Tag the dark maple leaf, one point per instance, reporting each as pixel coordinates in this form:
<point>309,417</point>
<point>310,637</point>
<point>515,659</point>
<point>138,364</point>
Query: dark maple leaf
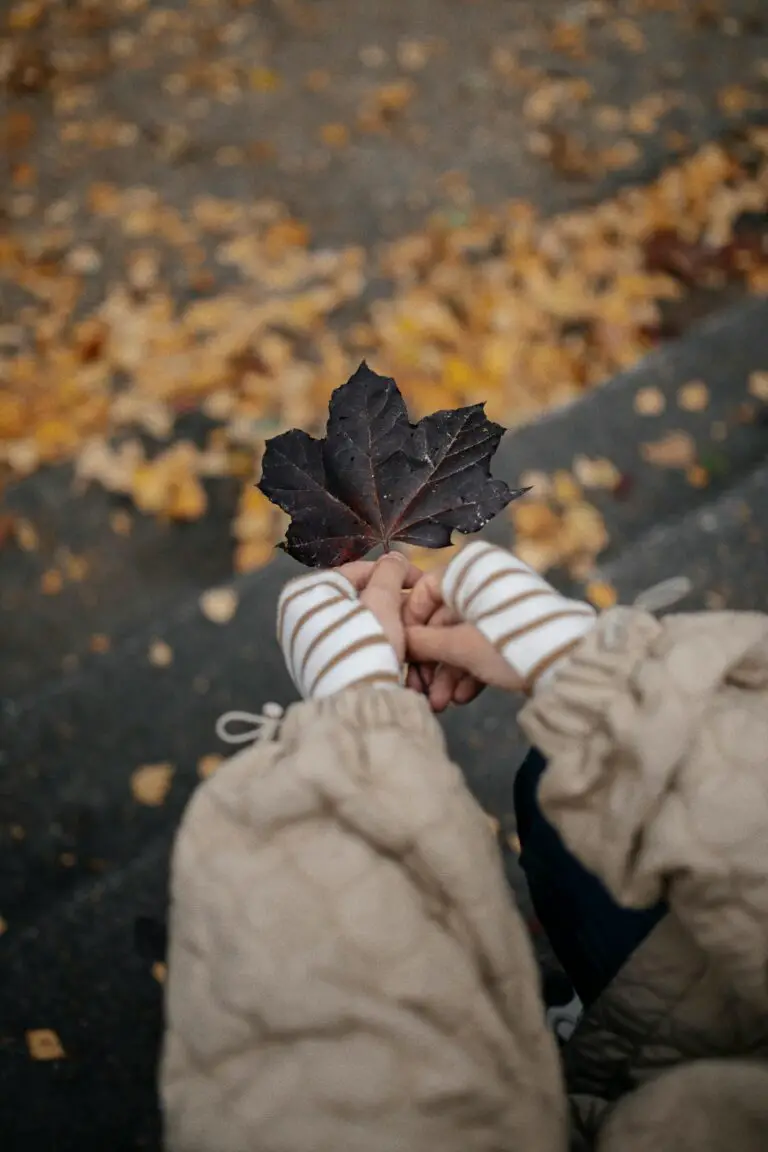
<point>376,478</point>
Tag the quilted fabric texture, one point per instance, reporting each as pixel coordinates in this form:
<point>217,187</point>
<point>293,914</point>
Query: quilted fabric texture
<point>702,1107</point>
<point>657,740</point>
<point>346,969</point>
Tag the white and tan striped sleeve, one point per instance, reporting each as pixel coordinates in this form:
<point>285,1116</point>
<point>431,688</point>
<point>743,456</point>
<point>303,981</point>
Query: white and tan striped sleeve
<point>525,618</point>
<point>330,640</point>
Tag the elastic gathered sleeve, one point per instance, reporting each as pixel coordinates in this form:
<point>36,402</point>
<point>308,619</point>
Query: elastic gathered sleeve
<point>346,968</point>
<point>656,735</point>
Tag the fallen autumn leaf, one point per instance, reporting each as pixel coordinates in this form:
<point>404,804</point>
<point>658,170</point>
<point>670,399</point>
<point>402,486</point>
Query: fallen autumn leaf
<point>151,783</point>
<point>376,478</point>
<point>219,605</point>
<point>44,1044</point>
<point>675,450</point>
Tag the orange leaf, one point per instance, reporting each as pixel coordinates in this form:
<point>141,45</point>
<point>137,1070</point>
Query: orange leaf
<point>151,783</point>
<point>675,450</point>
<point>44,1044</point>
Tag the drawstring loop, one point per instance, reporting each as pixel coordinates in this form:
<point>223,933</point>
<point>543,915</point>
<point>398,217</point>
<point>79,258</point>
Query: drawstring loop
<point>652,600</point>
<point>264,725</point>
<point>664,595</point>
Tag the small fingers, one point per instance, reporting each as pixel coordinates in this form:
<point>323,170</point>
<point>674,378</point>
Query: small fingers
<point>449,645</point>
<point>443,686</point>
<point>388,578</point>
<point>467,689</point>
<point>360,572</point>
<point>422,674</point>
<point>443,616</point>
<point>424,600</point>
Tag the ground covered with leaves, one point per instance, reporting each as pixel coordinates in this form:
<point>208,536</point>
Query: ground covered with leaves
<point>218,209</point>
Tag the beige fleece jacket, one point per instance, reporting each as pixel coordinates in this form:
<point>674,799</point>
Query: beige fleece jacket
<point>348,971</point>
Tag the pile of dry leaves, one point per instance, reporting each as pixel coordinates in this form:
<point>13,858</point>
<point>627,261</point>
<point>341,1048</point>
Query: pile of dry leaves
<point>505,307</point>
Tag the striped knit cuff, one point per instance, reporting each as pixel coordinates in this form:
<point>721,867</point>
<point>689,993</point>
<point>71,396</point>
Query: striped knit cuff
<point>329,640</point>
<point>526,620</point>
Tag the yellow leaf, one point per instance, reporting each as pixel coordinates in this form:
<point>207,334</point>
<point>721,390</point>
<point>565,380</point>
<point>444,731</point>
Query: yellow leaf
<point>44,1044</point>
<point>583,531</point>
<point>675,450</point>
<point>541,555</point>
<point>429,559</point>
<point>757,278</point>
<point>207,765</point>
<point>735,99</point>
<point>317,80</point>
<point>255,515</point>
<point>77,567</point>
<point>697,476</point>
<point>26,15</point>
<point>601,594</point>
<point>538,481</point>
<point>629,34</point>
<point>13,421</point>
<point>251,555</point>
<point>458,374</point>
<point>149,488</point>
<point>219,605</point>
<point>758,385</point>
<point>598,473</point>
<point>396,96</point>
<point>151,783</point>
<point>335,135</point>
<point>120,522</point>
<point>534,519</point>
<point>264,80</point>
<point>649,402</point>
<point>694,396</point>
<point>160,654</point>
<point>159,971</point>
<point>565,489</point>
<point>187,500</point>
<point>51,582</point>
<point>55,437</point>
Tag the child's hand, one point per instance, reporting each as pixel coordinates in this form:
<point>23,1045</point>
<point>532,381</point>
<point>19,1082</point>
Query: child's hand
<point>379,585</point>
<point>344,627</point>
<point>489,619</point>
<point>450,658</point>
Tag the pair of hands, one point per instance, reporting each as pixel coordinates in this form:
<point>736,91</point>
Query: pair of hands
<point>450,660</point>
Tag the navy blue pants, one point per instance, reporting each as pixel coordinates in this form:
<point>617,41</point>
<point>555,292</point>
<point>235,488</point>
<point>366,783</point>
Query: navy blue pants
<point>591,936</point>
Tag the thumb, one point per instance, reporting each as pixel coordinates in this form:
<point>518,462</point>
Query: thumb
<point>463,647</point>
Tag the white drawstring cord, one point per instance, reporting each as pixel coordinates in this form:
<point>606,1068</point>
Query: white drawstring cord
<point>665,594</point>
<point>562,1020</point>
<point>264,725</point>
<point>653,599</point>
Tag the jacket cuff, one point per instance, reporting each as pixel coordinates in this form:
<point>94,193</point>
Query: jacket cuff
<point>526,620</point>
<point>330,640</point>
<point>585,723</point>
<point>367,708</point>
<point>596,672</point>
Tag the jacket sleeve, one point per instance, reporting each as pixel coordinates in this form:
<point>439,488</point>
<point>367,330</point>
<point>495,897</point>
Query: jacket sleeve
<point>704,1106</point>
<point>656,734</point>
<point>346,969</point>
